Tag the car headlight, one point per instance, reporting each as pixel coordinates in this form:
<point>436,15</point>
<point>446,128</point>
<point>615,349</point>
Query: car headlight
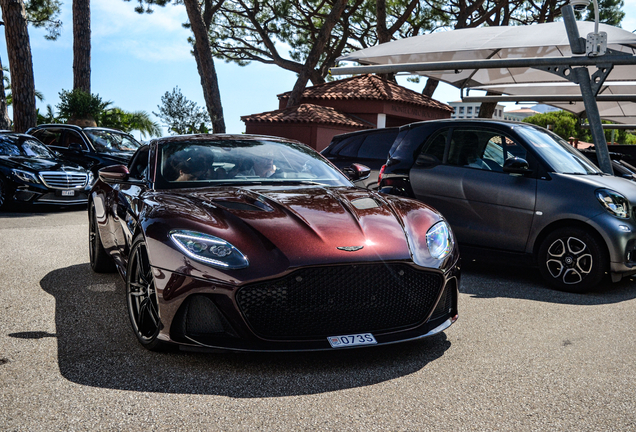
<point>90,181</point>
<point>209,249</point>
<point>439,240</point>
<point>614,202</point>
<point>25,176</point>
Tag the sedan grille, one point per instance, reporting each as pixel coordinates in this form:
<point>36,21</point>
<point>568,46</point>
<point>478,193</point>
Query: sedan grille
<point>63,180</point>
<point>339,300</point>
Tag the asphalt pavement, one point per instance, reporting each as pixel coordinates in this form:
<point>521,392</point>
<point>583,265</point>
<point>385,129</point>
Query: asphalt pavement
<point>521,357</point>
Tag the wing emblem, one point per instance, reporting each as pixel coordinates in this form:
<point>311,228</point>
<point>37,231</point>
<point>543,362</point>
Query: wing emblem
<point>350,248</point>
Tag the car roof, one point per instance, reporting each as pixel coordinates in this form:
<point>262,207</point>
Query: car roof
<point>219,137</point>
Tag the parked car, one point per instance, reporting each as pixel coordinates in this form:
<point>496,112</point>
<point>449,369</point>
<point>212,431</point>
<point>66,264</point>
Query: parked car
<point>622,164</point>
<point>255,243</point>
<point>368,147</point>
<point>90,147</point>
<point>519,189</point>
<point>31,173</point>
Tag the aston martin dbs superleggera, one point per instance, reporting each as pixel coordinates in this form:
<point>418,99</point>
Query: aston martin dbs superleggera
<point>258,243</point>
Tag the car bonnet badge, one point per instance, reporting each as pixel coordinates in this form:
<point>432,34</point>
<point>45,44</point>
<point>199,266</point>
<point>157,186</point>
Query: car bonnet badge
<point>350,248</point>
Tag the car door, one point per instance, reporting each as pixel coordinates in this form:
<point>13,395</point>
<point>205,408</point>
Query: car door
<point>127,206</point>
<point>485,206</point>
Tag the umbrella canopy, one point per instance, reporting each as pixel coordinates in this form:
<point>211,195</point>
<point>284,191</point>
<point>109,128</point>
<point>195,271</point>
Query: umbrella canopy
<point>504,42</point>
<point>619,112</point>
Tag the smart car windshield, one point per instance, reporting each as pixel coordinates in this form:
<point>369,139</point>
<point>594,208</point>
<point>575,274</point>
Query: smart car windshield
<point>561,156</point>
<point>107,140</point>
<point>28,147</point>
<point>200,163</point>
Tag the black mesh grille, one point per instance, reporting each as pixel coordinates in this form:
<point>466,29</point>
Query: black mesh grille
<point>445,304</point>
<point>330,301</point>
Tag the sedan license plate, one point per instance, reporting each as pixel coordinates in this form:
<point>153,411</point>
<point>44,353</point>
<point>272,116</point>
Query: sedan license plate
<point>68,193</point>
<point>351,340</point>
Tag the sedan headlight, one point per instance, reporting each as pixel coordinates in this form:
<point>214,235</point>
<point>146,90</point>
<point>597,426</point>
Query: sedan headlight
<point>439,240</point>
<point>614,202</point>
<point>209,249</point>
<point>25,176</point>
<point>90,181</point>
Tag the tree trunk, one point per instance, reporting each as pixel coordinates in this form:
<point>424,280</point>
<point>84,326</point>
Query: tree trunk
<point>487,109</point>
<point>5,120</point>
<point>205,66</point>
<point>82,45</point>
<point>430,87</point>
<point>20,63</point>
<point>315,53</point>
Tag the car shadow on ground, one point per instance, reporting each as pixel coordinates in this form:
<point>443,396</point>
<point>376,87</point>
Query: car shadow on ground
<point>15,211</point>
<point>96,347</point>
<point>484,279</point>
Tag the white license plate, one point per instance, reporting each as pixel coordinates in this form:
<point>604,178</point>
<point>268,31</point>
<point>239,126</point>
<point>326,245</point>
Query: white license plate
<point>351,340</point>
<point>68,193</point>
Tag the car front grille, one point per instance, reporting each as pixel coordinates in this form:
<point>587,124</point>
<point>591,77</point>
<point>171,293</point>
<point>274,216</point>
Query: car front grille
<point>339,300</point>
<point>63,180</point>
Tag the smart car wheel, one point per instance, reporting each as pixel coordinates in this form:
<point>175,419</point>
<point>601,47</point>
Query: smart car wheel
<point>571,259</point>
<point>100,261</point>
<point>141,297</point>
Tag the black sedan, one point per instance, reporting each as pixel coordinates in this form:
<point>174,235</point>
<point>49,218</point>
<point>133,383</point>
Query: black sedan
<point>31,173</point>
<point>90,147</point>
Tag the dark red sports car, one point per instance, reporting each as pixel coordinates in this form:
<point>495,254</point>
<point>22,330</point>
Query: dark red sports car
<point>258,243</point>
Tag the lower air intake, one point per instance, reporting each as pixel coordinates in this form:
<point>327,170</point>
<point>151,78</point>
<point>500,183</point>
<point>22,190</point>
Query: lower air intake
<point>338,300</point>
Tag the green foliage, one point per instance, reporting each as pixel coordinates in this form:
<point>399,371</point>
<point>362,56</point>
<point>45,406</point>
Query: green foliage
<point>45,13</point>
<point>566,125</point>
<point>116,118</point>
<point>563,123</point>
<point>78,103</point>
<point>610,12</point>
<point>182,116</point>
<point>49,117</point>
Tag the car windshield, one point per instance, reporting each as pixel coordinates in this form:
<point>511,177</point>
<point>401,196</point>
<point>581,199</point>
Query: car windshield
<point>199,163</point>
<point>558,153</point>
<point>27,147</point>
<point>107,141</point>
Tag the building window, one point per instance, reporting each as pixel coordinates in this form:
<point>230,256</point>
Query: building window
<point>461,110</point>
<point>469,110</point>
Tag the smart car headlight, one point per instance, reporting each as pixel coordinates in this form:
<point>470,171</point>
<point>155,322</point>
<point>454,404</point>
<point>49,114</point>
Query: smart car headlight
<point>209,249</point>
<point>25,176</point>
<point>439,240</point>
<point>614,202</point>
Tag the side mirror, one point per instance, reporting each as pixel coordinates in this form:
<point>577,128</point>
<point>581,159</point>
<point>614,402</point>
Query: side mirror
<point>357,171</point>
<point>114,173</point>
<point>516,165</point>
<point>426,161</point>
<point>75,148</point>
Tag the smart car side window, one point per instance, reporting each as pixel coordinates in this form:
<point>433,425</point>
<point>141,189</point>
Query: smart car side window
<point>475,148</point>
<point>436,145</point>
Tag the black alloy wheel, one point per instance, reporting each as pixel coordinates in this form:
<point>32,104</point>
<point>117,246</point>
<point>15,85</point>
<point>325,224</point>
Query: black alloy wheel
<point>141,297</point>
<point>572,259</point>
<point>100,261</point>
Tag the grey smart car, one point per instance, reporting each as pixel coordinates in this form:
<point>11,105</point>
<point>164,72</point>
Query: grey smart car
<point>518,190</point>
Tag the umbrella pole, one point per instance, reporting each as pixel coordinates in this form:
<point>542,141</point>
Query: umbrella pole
<point>589,96</point>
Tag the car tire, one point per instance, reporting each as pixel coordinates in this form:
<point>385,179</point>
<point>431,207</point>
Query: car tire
<point>141,298</point>
<point>100,261</point>
<point>572,260</point>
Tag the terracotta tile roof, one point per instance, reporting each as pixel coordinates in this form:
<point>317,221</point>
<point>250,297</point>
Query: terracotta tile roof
<point>307,113</point>
<point>369,87</point>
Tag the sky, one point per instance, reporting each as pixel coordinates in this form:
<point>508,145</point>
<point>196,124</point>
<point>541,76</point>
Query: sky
<point>136,59</point>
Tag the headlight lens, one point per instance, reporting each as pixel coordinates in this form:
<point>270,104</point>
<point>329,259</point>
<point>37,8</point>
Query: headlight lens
<point>439,240</point>
<point>209,249</point>
<point>25,176</point>
<point>91,179</point>
<point>614,202</point>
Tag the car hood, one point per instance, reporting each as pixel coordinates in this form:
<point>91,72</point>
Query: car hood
<point>38,164</point>
<point>118,157</point>
<point>621,185</point>
<point>278,228</point>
